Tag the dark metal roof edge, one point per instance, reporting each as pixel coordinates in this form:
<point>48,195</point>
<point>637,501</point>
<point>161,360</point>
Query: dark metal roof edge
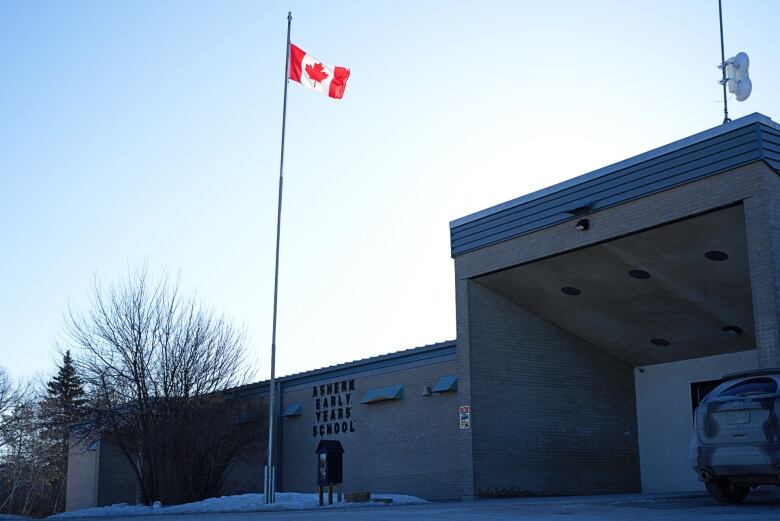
<point>744,121</point>
<point>611,205</point>
<point>460,248</point>
<point>415,353</point>
<point>630,174</point>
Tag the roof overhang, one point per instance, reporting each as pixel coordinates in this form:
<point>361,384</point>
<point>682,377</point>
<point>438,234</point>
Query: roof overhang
<point>745,140</point>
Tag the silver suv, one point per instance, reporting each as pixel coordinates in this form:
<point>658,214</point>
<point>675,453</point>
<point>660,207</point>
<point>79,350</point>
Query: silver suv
<point>736,435</point>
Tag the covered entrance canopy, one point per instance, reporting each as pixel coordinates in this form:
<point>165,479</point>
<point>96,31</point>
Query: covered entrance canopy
<point>670,293</point>
<point>581,344</point>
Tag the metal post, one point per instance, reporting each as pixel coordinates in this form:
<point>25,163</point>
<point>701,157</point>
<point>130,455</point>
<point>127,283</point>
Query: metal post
<point>270,486</point>
<point>723,65</point>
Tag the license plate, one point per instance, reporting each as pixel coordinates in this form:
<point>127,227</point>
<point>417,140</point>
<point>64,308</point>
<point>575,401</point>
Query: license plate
<point>737,417</point>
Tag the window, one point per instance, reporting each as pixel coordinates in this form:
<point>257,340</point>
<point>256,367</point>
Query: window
<point>700,390</point>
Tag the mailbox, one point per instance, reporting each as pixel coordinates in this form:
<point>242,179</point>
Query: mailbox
<point>330,463</point>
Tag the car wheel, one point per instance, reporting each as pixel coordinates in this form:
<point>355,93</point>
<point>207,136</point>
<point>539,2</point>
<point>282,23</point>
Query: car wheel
<point>726,492</point>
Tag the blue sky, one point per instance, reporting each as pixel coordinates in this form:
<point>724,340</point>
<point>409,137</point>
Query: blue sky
<point>148,131</point>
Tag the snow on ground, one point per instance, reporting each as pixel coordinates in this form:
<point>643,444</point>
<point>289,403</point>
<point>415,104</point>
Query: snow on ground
<point>242,503</point>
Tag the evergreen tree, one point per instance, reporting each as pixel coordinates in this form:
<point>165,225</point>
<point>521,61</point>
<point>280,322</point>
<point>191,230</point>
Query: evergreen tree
<point>65,399</point>
<point>62,407</point>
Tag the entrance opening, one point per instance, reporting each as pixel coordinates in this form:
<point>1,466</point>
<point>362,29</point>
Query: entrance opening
<point>673,302</point>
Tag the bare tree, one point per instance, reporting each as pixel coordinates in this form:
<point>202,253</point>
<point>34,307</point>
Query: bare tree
<point>12,439</point>
<point>159,367</point>
<point>11,394</point>
<point>23,460</point>
<point>30,480</point>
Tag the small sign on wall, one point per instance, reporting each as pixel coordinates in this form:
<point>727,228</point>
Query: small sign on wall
<point>464,411</point>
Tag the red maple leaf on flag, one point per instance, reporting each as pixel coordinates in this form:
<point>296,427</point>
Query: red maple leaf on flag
<point>316,73</point>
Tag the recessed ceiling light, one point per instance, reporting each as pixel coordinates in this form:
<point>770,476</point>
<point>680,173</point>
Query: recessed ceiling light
<point>732,330</point>
<point>639,274</point>
<point>660,342</point>
<point>715,255</point>
<point>568,290</point>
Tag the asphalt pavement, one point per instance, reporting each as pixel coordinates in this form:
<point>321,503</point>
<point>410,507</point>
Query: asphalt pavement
<point>758,507</point>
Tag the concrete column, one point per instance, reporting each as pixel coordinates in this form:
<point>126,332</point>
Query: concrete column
<point>466,452</point>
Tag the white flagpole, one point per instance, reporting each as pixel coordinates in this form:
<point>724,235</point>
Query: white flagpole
<point>270,471</point>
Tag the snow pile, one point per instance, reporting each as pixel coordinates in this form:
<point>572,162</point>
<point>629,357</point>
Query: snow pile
<point>242,503</point>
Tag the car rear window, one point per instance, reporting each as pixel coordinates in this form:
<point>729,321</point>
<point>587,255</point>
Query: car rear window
<point>752,386</point>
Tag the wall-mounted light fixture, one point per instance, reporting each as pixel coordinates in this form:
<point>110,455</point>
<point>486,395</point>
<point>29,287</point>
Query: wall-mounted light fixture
<point>582,225</point>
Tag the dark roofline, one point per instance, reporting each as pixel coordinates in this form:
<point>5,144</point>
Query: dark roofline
<point>397,358</point>
<point>626,163</point>
<point>726,147</point>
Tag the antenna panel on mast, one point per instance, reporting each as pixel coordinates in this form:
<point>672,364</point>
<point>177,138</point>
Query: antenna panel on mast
<point>737,78</point>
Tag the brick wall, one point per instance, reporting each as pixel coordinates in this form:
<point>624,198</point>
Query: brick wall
<point>406,446</point>
<point>116,480</point>
<point>551,413</point>
<point>245,474</point>
<point>762,222</point>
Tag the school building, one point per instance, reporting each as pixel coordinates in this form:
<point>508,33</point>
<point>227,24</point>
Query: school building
<point>591,317</point>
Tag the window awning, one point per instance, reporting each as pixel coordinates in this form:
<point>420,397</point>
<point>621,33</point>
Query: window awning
<point>394,392</point>
<point>294,409</point>
<point>446,384</point>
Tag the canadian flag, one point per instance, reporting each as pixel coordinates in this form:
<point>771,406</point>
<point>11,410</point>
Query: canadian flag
<point>308,71</point>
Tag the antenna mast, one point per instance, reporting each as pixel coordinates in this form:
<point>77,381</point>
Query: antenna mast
<point>726,118</point>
